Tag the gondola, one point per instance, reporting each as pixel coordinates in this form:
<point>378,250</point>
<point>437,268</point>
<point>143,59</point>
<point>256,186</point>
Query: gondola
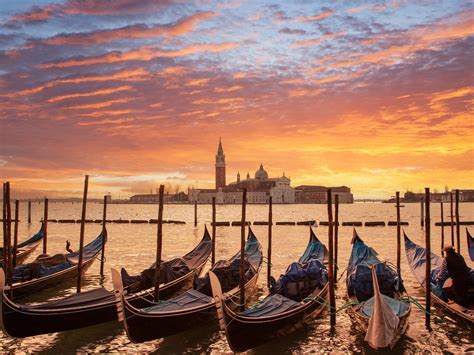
<point>192,308</point>
<point>441,295</point>
<point>470,245</point>
<point>297,295</point>
<point>48,271</point>
<point>26,248</point>
<point>90,307</point>
<point>377,297</point>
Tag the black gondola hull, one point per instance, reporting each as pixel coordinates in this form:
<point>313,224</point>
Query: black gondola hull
<point>141,328</point>
<point>244,333</point>
<point>27,288</point>
<point>20,322</point>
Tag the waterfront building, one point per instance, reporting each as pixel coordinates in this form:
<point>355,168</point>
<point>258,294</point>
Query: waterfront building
<point>318,194</point>
<point>465,195</point>
<point>154,198</point>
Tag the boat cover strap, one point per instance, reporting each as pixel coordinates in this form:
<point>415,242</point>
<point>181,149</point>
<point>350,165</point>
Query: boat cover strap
<point>188,299</point>
<point>82,299</point>
<point>400,308</point>
<point>271,305</point>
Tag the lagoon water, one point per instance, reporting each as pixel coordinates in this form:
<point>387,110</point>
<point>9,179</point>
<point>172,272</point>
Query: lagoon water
<point>133,246</point>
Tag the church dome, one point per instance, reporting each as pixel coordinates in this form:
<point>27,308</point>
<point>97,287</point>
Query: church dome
<point>261,174</point>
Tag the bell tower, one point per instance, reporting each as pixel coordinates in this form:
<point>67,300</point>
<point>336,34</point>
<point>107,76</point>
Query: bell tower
<point>220,166</point>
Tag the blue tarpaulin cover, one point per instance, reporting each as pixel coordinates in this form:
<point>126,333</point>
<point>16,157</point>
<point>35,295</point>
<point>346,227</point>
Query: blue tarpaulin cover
<point>273,304</point>
<point>398,307</point>
<point>300,280</point>
<point>314,250</point>
<point>359,280</point>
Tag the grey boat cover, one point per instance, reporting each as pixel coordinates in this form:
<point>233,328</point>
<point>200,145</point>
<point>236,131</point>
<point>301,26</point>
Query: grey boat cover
<point>186,300</point>
<point>400,308</point>
<point>271,305</point>
<point>170,270</point>
<point>86,298</point>
<point>228,271</point>
<point>300,280</point>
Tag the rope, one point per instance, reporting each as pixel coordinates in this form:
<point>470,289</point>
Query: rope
<point>265,260</point>
<point>342,274</point>
<point>237,304</point>
<point>415,302</point>
<point>324,303</point>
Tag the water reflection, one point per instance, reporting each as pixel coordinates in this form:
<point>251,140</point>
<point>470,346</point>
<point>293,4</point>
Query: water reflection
<point>133,246</point>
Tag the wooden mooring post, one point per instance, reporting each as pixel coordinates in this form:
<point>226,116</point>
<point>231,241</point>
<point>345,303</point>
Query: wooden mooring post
<point>428,263</point>
<point>242,251</point>
<point>104,221</point>
<point>332,297</point>
<point>29,212</point>
<point>269,253</point>
<point>452,218</point>
<point>45,226</point>
<point>15,233</point>
<point>336,235</point>
<point>442,228</point>
<point>81,235</point>
<point>422,217</point>
<point>159,240</point>
<point>458,229</point>
<point>7,220</point>
<point>399,238</point>
<point>213,226</point>
<point>195,213</point>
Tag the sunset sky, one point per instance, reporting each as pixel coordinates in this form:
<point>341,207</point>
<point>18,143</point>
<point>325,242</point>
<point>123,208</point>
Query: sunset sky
<point>376,96</point>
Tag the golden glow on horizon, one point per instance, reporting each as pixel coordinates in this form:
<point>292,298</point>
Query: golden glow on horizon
<point>143,100</point>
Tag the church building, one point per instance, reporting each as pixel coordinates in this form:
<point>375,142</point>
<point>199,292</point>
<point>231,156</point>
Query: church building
<point>259,188</point>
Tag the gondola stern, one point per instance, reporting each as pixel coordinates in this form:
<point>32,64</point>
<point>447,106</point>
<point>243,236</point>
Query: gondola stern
<point>118,292</point>
<point>218,298</point>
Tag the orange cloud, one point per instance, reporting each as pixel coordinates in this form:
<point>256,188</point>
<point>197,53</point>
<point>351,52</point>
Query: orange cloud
<point>178,28</point>
<point>88,94</point>
<point>105,122</point>
<point>325,14</point>
<point>125,75</point>
<point>100,104</point>
<point>142,54</point>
